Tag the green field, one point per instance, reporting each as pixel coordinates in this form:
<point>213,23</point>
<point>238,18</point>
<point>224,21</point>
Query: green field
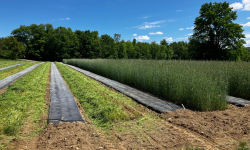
<point>201,85</point>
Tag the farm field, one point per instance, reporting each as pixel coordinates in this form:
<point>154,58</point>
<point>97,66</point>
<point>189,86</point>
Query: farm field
<point>112,120</point>
<point>200,85</point>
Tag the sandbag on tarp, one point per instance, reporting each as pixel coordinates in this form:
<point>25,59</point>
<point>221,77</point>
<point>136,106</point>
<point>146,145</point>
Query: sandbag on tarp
<point>237,101</point>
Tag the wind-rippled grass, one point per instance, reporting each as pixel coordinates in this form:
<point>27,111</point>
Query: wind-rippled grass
<point>201,85</point>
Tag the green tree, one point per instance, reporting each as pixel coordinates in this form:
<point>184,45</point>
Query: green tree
<point>164,42</point>
<point>218,37</point>
<point>117,37</point>
<point>11,47</point>
<point>122,50</point>
<point>134,42</point>
<point>131,50</point>
<point>1,45</point>
<point>107,46</point>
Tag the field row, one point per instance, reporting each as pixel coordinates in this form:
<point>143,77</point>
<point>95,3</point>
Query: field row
<point>200,85</point>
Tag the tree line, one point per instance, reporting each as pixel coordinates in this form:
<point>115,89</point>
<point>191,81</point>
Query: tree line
<point>215,37</point>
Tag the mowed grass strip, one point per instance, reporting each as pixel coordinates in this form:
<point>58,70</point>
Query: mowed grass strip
<point>23,99</point>
<point>101,105</point>
<point>14,70</point>
<point>4,63</point>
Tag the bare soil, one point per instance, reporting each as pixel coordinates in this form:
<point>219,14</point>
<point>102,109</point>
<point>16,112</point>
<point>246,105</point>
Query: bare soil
<point>224,128</point>
<point>178,130</point>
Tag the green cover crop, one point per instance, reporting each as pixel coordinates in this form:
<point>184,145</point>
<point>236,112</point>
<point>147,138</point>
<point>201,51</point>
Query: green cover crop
<point>201,85</point>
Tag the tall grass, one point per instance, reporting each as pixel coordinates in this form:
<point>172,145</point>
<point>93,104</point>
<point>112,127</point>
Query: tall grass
<point>201,85</point>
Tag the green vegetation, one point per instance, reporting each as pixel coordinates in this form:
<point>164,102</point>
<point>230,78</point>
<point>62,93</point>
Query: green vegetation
<point>10,47</point>
<point>201,85</point>
<point>14,70</point>
<point>215,35</point>
<point>101,105</point>
<point>243,146</point>
<point>6,63</point>
<point>24,99</point>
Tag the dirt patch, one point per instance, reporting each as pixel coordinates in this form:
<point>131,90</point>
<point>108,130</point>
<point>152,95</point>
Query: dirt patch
<point>224,128</point>
<point>3,90</point>
<point>70,136</point>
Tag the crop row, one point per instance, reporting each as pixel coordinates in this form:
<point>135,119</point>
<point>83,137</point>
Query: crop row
<point>23,99</point>
<point>201,85</point>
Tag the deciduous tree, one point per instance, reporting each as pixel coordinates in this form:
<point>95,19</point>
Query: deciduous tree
<point>216,34</point>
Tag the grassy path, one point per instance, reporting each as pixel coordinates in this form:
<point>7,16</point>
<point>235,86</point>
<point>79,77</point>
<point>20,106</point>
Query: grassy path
<point>8,63</point>
<point>14,70</point>
<point>24,99</point>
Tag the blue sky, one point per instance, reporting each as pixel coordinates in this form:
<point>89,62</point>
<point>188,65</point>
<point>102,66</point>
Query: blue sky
<point>145,20</point>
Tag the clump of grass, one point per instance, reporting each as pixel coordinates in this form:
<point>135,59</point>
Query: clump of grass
<point>25,95</point>
<point>98,105</point>
<point>201,85</point>
<point>243,146</point>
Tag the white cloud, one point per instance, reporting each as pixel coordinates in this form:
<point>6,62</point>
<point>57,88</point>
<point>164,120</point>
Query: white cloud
<point>246,25</point>
<point>159,32</point>
<point>248,18</point>
<point>190,34</point>
<point>181,29</point>
<point>247,43</point>
<point>134,34</point>
<point>247,4</point>
<point>181,38</point>
<point>141,38</point>
<point>178,10</point>
<point>156,22</point>
<point>148,26</point>
<point>190,28</point>
<point>169,39</point>
<point>247,35</point>
<point>64,18</point>
<point>236,6</point>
